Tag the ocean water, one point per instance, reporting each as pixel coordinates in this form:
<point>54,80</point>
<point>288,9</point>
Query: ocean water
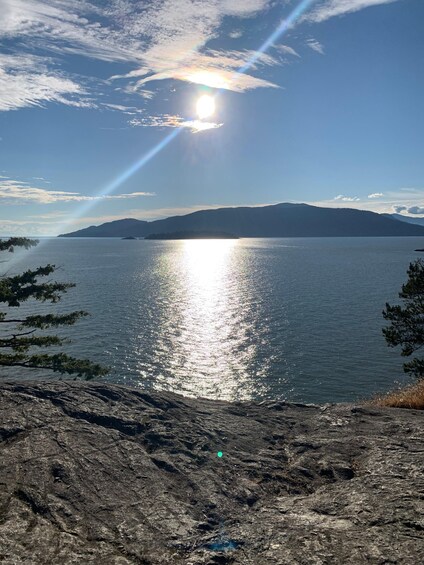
<point>296,319</point>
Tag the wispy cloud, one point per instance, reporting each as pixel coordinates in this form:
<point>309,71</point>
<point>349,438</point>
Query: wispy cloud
<point>18,192</point>
<point>331,8</point>
<point>130,110</point>
<point>344,198</point>
<point>173,121</point>
<point>177,33</point>
<point>70,26</point>
<point>213,68</point>
<point>315,46</point>
<point>375,195</point>
<point>235,34</point>
<point>286,49</point>
<point>26,81</point>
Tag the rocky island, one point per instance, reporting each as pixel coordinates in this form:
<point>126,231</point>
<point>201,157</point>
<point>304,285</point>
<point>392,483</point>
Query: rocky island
<point>95,473</point>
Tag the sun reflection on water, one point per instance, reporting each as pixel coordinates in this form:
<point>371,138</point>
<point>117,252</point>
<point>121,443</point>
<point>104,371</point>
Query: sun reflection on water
<point>207,327</point>
<point>204,340</point>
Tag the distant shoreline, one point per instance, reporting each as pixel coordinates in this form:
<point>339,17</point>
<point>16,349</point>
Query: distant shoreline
<point>277,220</point>
<point>191,235</point>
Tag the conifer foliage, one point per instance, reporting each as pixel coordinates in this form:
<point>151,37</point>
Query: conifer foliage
<point>19,335</point>
<point>407,321</point>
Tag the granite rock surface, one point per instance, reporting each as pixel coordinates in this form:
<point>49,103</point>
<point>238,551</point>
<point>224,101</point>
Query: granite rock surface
<point>92,473</point>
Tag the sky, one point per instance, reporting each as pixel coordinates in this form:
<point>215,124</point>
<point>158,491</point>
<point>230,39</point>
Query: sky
<point>316,101</point>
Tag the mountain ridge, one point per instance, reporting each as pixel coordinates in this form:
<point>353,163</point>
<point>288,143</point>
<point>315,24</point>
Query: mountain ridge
<point>276,220</point>
<point>408,219</point>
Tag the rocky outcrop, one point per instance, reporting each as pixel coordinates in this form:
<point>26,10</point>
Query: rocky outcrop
<point>93,473</point>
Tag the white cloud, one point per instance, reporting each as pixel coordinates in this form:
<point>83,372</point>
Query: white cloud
<point>287,50</point>
<point>129,110</point>
<point>330,8</point>
<point>375,195</point>
<point>315,46</point>
<point>25,81</point>
<point>64,26</point>
<point>18,192</point>
<point>399,209</point>
<point>344,198</point>
<point>213,68</point>
<point>415,210</point>
<point>170,121</point>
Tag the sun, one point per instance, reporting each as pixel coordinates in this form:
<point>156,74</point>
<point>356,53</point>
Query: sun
<point>205,107</point>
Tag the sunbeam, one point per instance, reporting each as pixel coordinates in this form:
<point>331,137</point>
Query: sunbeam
<point>125,175</point>
<point>285,25</point>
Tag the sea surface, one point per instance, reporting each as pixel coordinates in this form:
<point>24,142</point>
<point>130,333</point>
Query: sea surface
<point>297,319</point>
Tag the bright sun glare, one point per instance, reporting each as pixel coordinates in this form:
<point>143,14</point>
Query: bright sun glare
<point>205,106</point>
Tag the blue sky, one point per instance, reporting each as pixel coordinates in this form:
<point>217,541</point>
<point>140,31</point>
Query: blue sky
<point>98,117</point>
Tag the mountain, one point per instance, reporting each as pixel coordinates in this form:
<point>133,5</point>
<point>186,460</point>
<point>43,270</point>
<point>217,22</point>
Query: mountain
<point>408,219</point>
<point>117,228</point>
<point>279,220</point>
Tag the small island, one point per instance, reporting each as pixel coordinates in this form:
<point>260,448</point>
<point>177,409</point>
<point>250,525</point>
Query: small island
<point>129,237</point>
<point>192,235</point>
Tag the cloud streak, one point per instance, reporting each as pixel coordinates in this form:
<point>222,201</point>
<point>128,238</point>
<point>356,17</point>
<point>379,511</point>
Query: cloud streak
<point>287,50</point>
<point>18,192</point>
<point>315,46</point>
<point>331,8</point>
<point>174,121</point>
<point>344,198</point>
<point>25,81</point>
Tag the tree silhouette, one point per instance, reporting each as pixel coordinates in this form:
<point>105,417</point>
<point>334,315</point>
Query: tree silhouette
<point>18,335</point>
<point>407,321</point>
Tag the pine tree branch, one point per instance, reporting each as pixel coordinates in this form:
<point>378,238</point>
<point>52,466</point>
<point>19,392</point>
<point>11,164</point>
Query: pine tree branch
<point>60,363</point>
<point>25,343</point>
<point>47,320</point>
<point>12,242</point>
<point>19,288</point>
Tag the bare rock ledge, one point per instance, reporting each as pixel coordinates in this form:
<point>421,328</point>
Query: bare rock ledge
<point>92,473</point>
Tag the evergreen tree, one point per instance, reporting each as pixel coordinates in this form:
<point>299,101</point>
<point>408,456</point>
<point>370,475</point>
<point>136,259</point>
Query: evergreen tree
<point>18,335</point>
<point>407,321</point>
